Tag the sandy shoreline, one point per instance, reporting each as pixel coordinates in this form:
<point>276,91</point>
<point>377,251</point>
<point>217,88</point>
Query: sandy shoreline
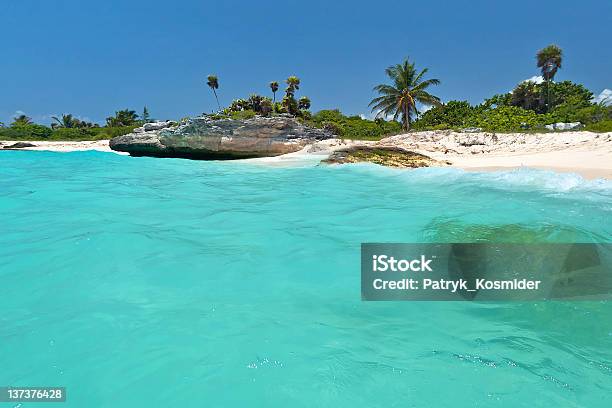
<point>63,146</point>
<point>585,153</point>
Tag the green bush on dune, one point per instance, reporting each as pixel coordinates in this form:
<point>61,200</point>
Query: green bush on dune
<point>39,132</point>
<point>603,126</point>
<point>353,127</point>
<point>23,132</point>
<point>451,115</point>
<point>507,119</point>
<point>68,127</point>
<point>510,113</point>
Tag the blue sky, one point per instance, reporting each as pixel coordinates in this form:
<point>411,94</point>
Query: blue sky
<point>91,58</point>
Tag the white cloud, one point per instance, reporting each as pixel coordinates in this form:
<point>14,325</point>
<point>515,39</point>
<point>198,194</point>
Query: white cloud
<point>605,96</point>
<point>425,108</point>
<point>18,113</point>
<point>536,79</point>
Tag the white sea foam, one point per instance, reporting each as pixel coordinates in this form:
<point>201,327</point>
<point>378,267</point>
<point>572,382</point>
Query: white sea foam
<point>523,177</point>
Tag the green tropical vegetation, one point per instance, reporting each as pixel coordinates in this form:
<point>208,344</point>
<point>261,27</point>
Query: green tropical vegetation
<point>145,117</point>
<point>123,117</point>
<point>353,127</point>
<point>264,106</point>
<point>401,105</point>
<point>68,127</point>
<point>68,121</point>
<point>530,106</point>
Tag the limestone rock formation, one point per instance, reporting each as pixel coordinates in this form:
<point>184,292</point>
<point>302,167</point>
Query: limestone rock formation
<point>19,145</point>
<point>219,139</point>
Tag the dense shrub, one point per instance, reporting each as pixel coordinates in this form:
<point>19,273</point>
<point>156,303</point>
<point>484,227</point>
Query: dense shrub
<point>450,115</point>
<point>258,104</point>
<point>353,127</point>
<point>26,132</point>
<point>245,114</point>
<point>561,92</point>
<point>39,132</point>
<point>535,97</point>
<point>507,119</point>
<point>579,111</point>
<point>602,126</point>
<point>72,134</point>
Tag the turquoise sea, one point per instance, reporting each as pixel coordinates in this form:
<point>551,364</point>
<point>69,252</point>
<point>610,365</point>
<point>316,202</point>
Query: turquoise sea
<point>140,282</point>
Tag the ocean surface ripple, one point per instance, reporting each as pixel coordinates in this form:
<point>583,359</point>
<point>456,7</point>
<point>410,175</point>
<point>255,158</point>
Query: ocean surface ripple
<point>139,282</point>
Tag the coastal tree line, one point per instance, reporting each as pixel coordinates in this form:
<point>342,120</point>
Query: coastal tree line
<point>262,105</point>
<point>405,102</point>
<point>69,127</point>
<point>528,107</point>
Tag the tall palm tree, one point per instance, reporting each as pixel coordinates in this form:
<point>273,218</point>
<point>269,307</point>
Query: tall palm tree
<point>213,83</point>
<point>549,61</point>
<point>293,84</point>
<point>289,102</point>
<point>400,98</point>
<point>274,88</point>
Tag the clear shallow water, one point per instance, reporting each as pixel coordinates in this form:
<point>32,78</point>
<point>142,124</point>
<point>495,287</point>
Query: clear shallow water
<point>149,282</point>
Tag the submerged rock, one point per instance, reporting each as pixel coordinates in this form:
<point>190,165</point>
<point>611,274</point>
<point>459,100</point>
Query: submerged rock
<point>442,230</point>
<point>19,145</point>
<point>383,155</point>
<point>220,139</point>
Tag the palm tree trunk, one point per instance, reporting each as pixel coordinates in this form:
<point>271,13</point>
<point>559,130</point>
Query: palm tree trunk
<point>406,118</point>
<point>547,96</point>
<point>274,102</point>
<point>219,105</point>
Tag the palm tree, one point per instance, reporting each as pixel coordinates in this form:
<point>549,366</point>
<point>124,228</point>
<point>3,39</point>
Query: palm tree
<point>293,84</point>
<point>22,120</point>
<point>304,103</point>
<point>289,102</point>
<point>401,97</point>
<point>123,117</point>
<point>67,121</point>
<point>274,88</point>
<point>213,83</point>
<point>549,61</point>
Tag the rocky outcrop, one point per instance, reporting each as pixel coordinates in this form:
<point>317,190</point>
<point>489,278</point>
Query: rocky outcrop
<point>19,145</point>
<point>218,139</point>
<point>385,156</point>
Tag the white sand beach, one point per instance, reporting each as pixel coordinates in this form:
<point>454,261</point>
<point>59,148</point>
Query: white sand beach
<point>585,153</point>
<point>63,146</point>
